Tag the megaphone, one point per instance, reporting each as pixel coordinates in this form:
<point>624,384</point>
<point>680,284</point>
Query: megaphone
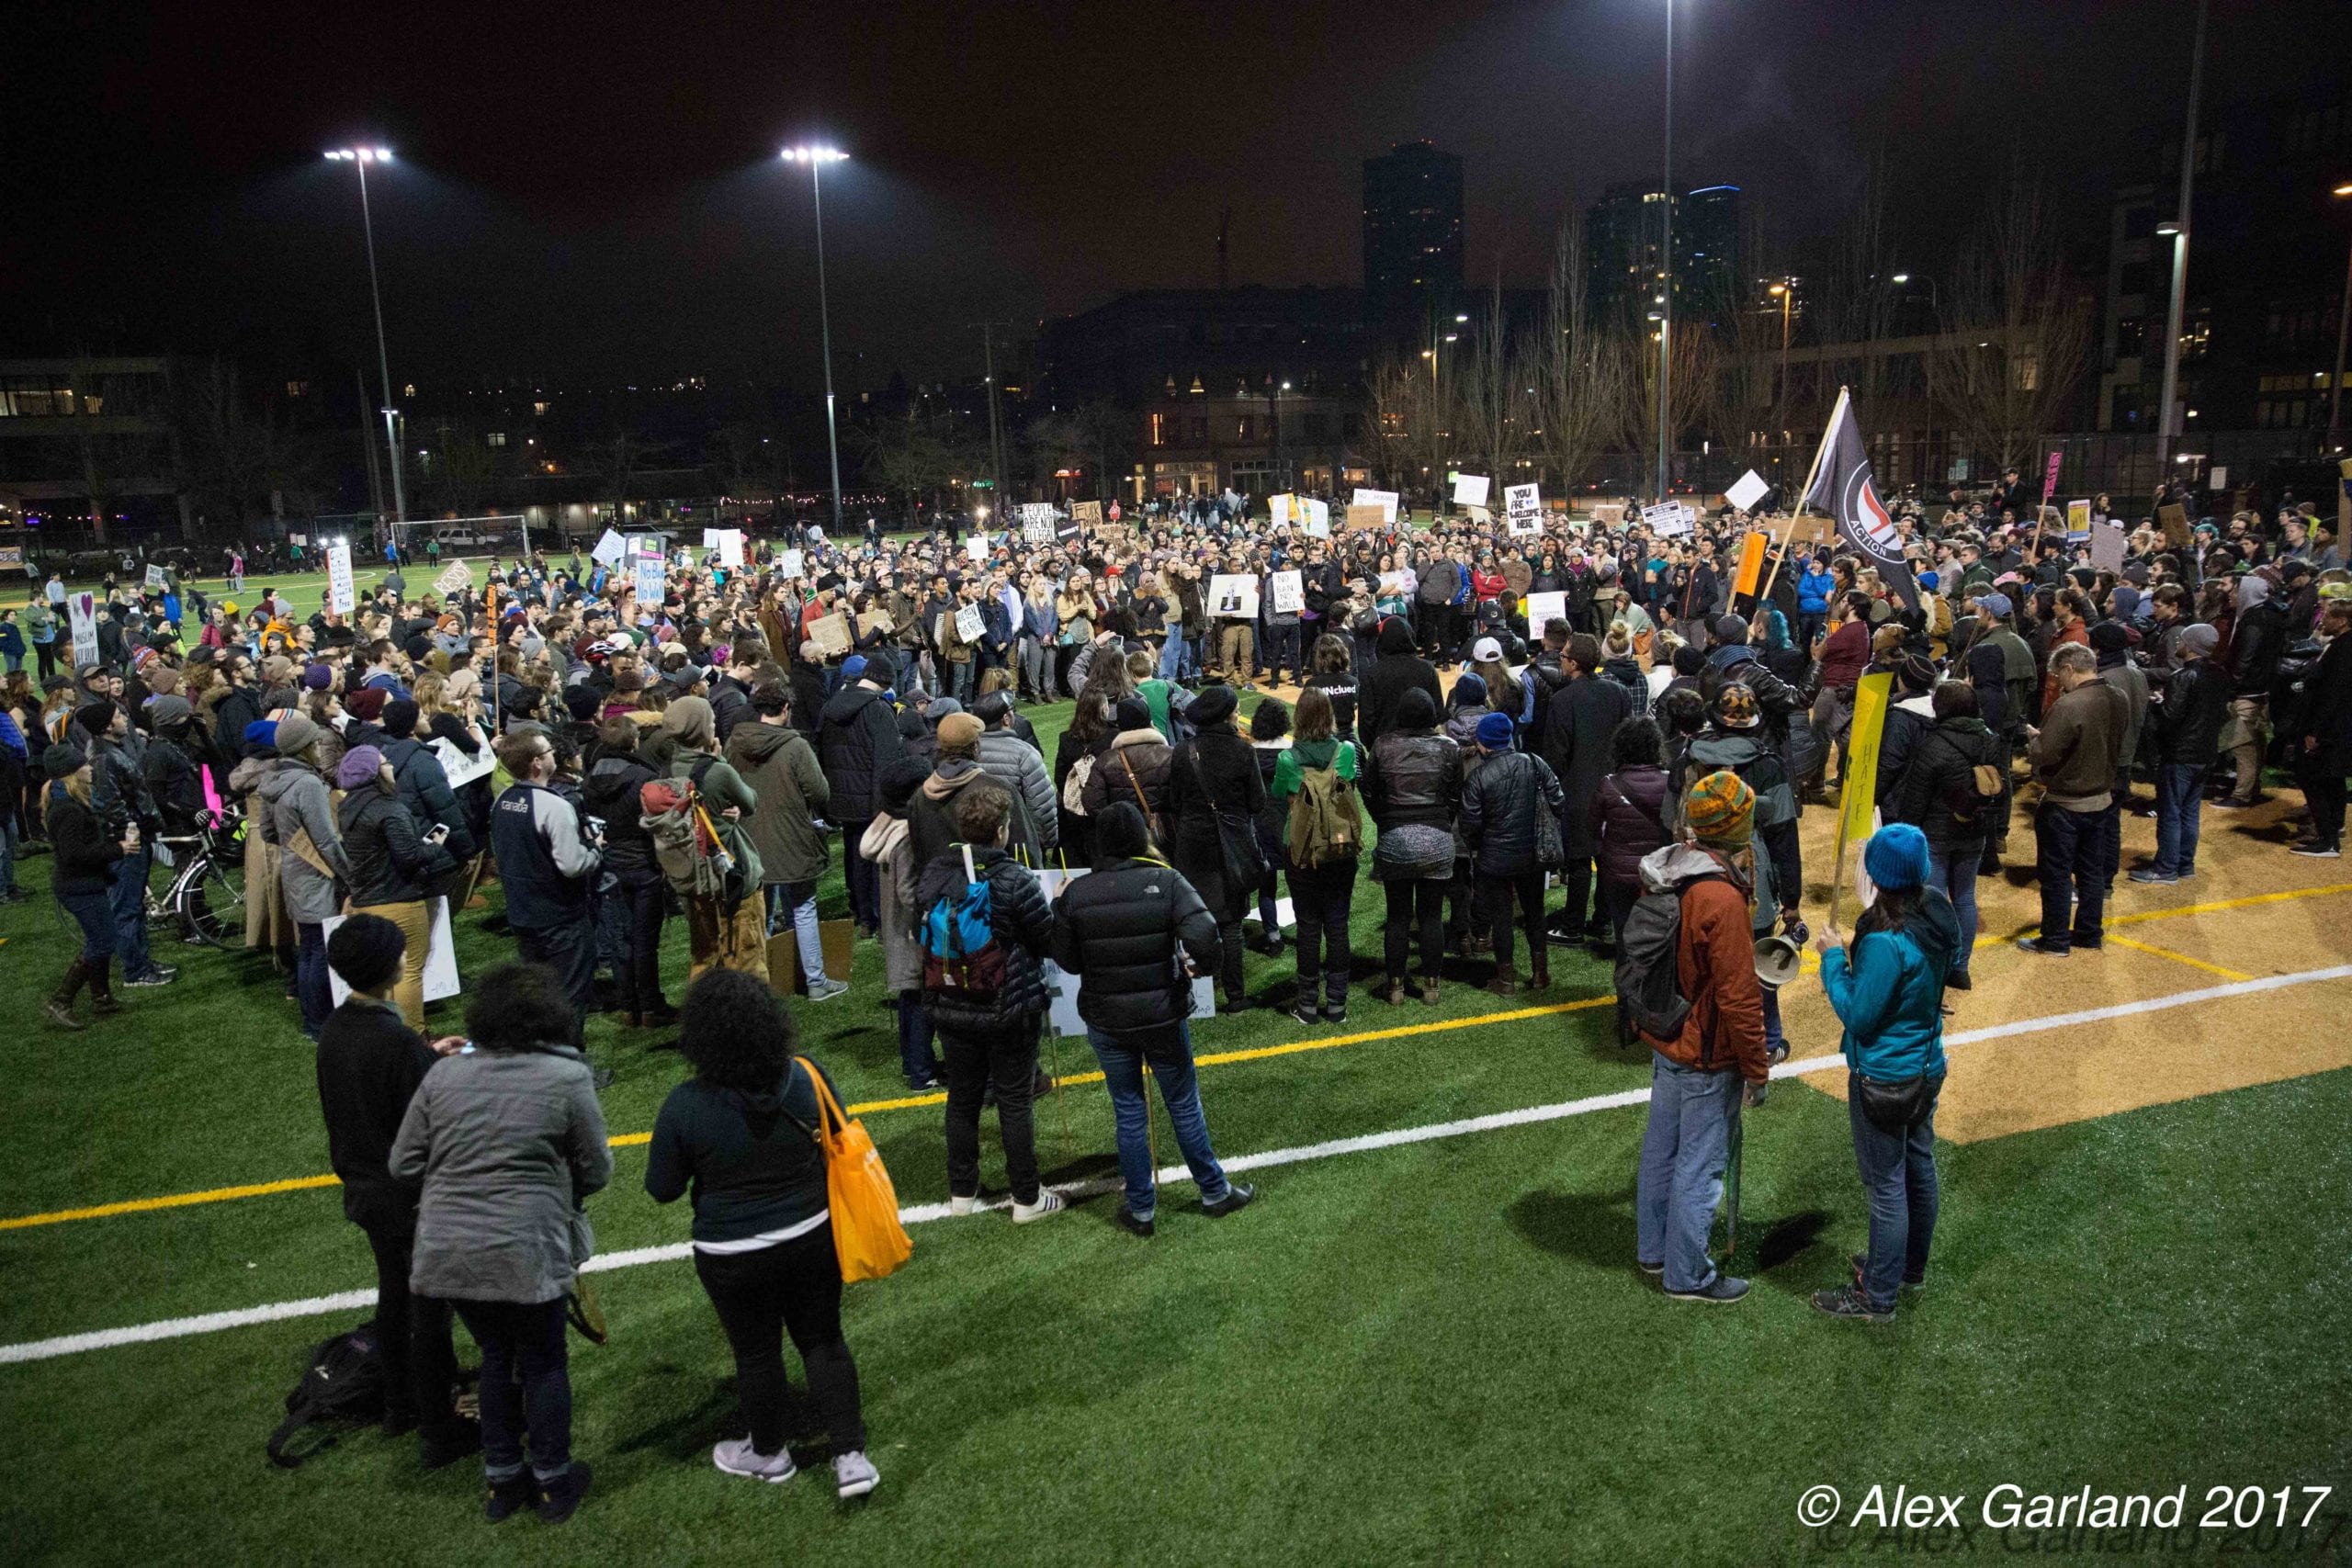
<point>1777,960</point>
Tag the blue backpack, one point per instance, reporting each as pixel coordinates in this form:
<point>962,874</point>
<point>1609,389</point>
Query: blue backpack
<point>961,959</point>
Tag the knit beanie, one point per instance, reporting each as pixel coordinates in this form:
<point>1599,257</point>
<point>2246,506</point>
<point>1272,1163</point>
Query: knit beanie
<point>366,705</point>
<point>96,716</point>
<point>358,766</point>
<point>296,734</point>
<point>317,677</point>
<point>1494,732</point>
<point>400,719</point>
<point>1720,809</point>
<point>1896,856</point>
<point>61,760</point>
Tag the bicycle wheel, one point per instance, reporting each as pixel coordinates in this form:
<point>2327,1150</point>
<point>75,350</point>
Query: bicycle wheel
<point>210,902</point>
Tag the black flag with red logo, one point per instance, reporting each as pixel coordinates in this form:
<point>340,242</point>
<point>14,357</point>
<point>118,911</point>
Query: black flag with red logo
<point>1842,488</point>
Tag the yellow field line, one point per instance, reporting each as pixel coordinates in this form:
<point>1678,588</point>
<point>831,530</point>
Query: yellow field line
<point>1253,1053</point>
<point>2155,951</point>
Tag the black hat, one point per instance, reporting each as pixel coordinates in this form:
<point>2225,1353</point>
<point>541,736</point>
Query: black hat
<point>398,718</point>
<point>1120,830</point>
<point>365,951</point>
<point>1134,713</point>
<point>96,716</point>
<point>1212,705</point>
<point>63,762</point>
<point>881,667</point>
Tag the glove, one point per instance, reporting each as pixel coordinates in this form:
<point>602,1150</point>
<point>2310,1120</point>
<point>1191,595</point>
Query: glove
<point>1757,1093</point>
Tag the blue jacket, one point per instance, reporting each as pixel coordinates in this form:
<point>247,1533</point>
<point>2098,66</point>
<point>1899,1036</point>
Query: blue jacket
<point>1888,992</point>
<point>1813,591</point>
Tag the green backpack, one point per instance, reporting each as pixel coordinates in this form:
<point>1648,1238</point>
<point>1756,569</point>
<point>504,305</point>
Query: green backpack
<point>1325,818</point>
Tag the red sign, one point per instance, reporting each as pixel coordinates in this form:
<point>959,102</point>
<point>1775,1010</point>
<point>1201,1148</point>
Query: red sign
<point>2050,479</point>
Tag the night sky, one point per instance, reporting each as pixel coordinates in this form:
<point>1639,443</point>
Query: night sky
<point>591,192</point>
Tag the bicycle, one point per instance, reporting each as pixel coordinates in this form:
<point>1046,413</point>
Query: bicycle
<point>206,897</point>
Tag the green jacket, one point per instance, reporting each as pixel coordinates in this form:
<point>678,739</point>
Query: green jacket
<point>1303,754</point>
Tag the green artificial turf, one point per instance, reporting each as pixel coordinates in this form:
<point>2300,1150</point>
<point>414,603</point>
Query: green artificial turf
<point>1430,1353</point>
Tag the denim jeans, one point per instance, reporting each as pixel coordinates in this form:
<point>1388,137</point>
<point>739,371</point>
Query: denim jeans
<point>1179,1091</point>
<point>311,987</point>
<point>916,1057</point>
<point>2071,848</point>
<point>569,949</point>
<point>795,903</point>
<point>1956,875</point>
<point>2180,789</point>
<point>1899,1176</point>
<point>95,916</point>
<point>1684,1150</point>
<point>525,1386</point>
<point>127,898</point>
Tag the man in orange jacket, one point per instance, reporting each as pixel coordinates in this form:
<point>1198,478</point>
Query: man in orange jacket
<point>1698,1078</point>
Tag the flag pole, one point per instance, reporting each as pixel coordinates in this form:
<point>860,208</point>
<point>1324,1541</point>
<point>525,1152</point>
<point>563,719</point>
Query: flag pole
<point>1811,474</point>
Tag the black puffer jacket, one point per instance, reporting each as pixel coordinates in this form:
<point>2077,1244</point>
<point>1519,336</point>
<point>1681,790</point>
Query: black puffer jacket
<point>2187,724</point>
<point>1023,924</point>
<point>2257,639</point>
<point>1398,671</point>
<point>1216,770</point>
<point>1415,778</point>
<point>1118,930</point>
<point>390,864</point>
<point>425,790</point>
<point>1941,775</point>
<point>1628,821</point>
<point>610,793</point>
<point>857,738</point>
<point>1499,807</point>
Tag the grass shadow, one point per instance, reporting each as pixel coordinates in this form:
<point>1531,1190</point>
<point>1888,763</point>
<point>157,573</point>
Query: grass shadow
<point>1592,1228</point>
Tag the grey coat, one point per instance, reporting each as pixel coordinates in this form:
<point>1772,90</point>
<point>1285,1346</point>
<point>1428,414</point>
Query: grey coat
<point>1006,757</point>
<point>293,797</point>
<point>506,1143</point>
<point>889,846</point>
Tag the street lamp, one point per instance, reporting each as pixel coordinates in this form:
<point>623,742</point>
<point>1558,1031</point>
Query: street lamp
<point>2179,232</point>
<point>2343,318</point>
<point>359,158</point>
<point>1785,292</point>
<point>816,158</point>
<point>1666,263</point>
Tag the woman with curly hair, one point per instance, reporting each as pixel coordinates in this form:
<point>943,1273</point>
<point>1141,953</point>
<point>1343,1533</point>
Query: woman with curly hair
<point>742,1136</point>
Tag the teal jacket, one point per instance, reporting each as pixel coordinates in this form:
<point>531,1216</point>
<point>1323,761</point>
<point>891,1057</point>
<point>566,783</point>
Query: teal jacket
<point>1888,990</point>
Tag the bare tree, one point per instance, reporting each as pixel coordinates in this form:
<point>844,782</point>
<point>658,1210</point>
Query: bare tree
<point>1693,358</point>
<point>2017,332</point>
<point>1411,416</point>
<point>1495,406</point>
<point>1575,368</point>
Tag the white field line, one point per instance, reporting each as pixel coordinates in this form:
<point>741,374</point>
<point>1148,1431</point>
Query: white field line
<point>923,1214</point>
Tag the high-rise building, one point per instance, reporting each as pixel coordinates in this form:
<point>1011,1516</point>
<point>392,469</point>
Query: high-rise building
<point>1622,231</point>
<point>1412,232</point>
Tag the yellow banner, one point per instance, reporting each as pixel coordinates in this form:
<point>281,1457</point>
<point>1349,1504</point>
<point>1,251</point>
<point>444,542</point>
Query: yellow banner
<point>1871,694</point>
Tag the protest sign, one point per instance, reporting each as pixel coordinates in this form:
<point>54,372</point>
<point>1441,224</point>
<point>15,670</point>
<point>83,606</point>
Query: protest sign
<point>1544,608</point>
<point>1319,517</point>
<point>650,578</point>
<point>976,546</point>
<point>1749,575</point>
<point>1368,519</point>
<point>455,578</point>
<point>157,578</point>
<point>730,547</point>
<point>81,616</point>
<point>1086,514</point>
<point>343,594</point>
<point>1608,514</point>
<point>609,549</point>
<point>1037,530</point>
<point>1470,490</point>
<point>1290,591</point>
<point>971,623</point>
<point>1233,596</point>
<point>1812,529</point>
<point>2050,478</point>
<point>2106,547</point>
<point>791,563</point>
<point>2078,517</point>
<point>2175,518</point>
<point>1282,511</point>
<point>1746,490</point>
<point>830,634</point>
<point>1523,508</point>
<point>1668,519</point>
<point>710,538</point>
<point>1384,499</point>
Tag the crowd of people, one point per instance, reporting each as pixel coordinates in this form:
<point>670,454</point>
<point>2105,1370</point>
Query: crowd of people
<point>1626,772</point>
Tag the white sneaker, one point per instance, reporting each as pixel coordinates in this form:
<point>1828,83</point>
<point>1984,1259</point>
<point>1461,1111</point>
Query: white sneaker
<point>855,1475</point>
<point>826,990</point>
<point>1048,1202</point>
<point>964,1205</point>
<point>737,1457</point>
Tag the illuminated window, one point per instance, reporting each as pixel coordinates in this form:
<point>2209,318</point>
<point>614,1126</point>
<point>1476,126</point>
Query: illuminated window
<point>498,438</point>
<point>297,389</point>
<point>539,409</point>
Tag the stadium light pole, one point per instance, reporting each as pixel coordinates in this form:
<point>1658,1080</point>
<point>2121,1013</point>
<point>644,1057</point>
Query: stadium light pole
<point>816,158</point>
<point>359,158</point>
<point>2342,321</point>
<point>2179,230</point>
<point>1666,264</point>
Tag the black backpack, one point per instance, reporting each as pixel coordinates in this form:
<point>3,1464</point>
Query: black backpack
<point>342,1384</point>
<point>1649,990</point>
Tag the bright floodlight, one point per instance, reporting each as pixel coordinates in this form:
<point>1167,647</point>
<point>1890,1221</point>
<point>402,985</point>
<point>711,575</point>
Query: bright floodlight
<point>813,155</point>
<point>1902,277</point>
<point>360,155</point>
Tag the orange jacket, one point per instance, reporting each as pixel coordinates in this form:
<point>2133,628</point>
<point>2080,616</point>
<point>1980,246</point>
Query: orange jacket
<point>1715,965</point>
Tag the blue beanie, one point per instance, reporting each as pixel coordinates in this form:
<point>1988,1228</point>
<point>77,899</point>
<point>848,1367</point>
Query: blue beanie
<point>261,734</point>
<point>1896,856</point>
<point>1494,732</point>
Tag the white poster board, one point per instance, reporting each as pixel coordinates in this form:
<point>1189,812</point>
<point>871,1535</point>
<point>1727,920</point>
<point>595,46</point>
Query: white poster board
<point>1542,608</point>
<point>455,577</point>
<point>1746,490</point>
<point>1670,519</point>
<point>343,594</point>
<point>1233,596</point>
<point>82,615</point>
<point>1523,509</point>
<point>649,577</point>
<point>440,958</point>
<point>730,547</point>
<point>609,549</point>
<point>1289,590</point>
<point>1283,512</point>
<point>1470,490</point>
<point>1061,985</point>
<point>1319,517</point>
<point>1038,530</point>
<point>2106,548</point>
<point>971,623</point>
<point>460,769</point>
<point>791,564</point>
<point>710,538</point>
<point>1384,499</point>
<point>157,578</point>
<point>976,546</point>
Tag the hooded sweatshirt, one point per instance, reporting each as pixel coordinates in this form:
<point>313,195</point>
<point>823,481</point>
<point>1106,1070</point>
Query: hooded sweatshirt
<point>751,1161</point>
<point>1714,963</point>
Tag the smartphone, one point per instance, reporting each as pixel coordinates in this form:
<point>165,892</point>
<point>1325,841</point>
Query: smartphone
<point>439,834</point>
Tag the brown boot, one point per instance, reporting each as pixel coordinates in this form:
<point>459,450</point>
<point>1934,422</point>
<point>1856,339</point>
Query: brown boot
<point>60,1006</point>
<point>1506,981</point>
<point>102,998</point>
<point>1539,978</point>
<point>1393,992</point>
<point>1428,991</point>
